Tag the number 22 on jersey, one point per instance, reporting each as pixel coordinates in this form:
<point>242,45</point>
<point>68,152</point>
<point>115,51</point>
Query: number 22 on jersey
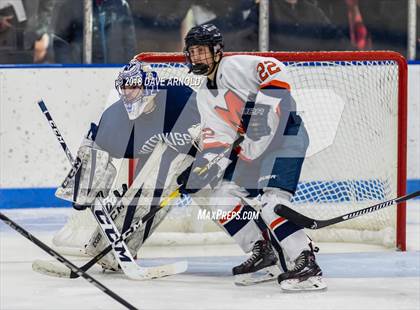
<point>267,68</point>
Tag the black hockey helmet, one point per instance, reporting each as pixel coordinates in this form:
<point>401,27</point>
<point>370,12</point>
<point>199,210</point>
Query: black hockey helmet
<point>207,34</point>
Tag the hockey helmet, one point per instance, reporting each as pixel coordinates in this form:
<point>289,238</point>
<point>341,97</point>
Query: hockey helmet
<point>207,34</point>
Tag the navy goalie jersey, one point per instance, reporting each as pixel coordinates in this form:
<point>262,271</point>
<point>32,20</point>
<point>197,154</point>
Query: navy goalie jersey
<point>174,112</point>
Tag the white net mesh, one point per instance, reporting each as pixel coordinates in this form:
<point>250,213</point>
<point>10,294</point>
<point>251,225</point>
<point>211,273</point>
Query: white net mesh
<point>350,109</point>
<point>351,112</point>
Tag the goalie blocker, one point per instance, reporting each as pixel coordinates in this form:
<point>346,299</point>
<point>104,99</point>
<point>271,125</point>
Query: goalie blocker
<point>92,172</point>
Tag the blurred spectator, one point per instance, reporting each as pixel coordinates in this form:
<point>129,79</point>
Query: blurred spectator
<point>346,16</point>
<point>113,36</point>
<point>159,24</point>
<point>337,13</point>
<point>386,22</point>
<point>24,30</point>
<point>237,20</point>
<point>300,25</point>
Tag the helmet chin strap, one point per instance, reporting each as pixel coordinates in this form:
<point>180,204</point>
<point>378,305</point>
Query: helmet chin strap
<point>214,67</point>
<point>203,69</point>
<point>200,68</point>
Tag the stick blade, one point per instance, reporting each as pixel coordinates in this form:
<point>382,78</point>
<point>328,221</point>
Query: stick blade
<point>295,217</point>
<point>411,196</point>
<point>50,269</point>
<point>148,273</point>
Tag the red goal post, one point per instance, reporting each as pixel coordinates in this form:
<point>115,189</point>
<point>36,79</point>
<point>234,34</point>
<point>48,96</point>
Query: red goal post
<point>397,77</point>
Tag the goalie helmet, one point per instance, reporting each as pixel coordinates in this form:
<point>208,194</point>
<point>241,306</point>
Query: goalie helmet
<point>137,85</point>
<point>207,34</point>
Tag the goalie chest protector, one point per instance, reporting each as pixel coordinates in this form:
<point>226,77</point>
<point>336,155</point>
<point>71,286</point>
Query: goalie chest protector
<point>175,111</point>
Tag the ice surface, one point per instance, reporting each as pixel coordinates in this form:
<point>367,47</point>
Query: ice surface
<point>358,277</point>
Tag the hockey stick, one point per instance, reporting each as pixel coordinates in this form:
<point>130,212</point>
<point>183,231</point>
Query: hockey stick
<point>175,194</point>
<point>123,255</point>
<point>54,271</point>
<point>60,258</point>
<point>200,170</point>
<point>54,127</point>
<point>311,223</point>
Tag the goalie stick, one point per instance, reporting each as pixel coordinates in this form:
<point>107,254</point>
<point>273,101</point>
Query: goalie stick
<point>53,270</point>
<point>311,223</point>
<point>48,268</point>
<point>60,258</point>
<point>123,255</point>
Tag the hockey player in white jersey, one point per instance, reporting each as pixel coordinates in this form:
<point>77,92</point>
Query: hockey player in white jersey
<point>250,96</point>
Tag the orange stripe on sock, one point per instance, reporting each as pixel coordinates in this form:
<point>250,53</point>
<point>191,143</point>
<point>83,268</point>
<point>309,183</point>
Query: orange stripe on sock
<point>230,214</point>
<point>276,222</point>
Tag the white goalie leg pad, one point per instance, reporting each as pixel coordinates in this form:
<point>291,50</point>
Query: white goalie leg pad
<point>177,166</point>
<point>142,202</point>
<point>98,242</point>
<point>293,244</point>
<point>91,173</point>
<point>226,203</point>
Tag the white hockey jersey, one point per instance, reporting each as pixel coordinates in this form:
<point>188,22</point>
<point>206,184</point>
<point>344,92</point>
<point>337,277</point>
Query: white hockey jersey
<point>239,79</point>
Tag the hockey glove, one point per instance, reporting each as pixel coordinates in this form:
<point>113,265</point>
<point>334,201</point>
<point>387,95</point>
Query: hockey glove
<point>191,181</point>
<point>258,122</point>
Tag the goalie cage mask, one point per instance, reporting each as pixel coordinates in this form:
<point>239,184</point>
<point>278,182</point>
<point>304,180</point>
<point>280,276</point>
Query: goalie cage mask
<point>137,84</point>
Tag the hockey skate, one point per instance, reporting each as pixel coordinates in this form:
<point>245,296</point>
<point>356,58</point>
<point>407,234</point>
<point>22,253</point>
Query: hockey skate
<point>260,267</point>
<point>305,276</point>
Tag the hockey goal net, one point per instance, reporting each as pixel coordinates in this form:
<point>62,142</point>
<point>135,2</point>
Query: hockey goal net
<point>354,108</point>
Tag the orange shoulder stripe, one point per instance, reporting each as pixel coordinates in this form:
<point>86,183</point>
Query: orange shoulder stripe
<point>276,83</point>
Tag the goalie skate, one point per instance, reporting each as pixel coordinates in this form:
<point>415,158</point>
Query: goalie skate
<point>260,267</point>
<point>305,276</point>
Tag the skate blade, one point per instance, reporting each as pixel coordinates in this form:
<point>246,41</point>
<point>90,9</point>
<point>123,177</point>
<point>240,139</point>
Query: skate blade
<point>266,274</point>
<point>311,284</point>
